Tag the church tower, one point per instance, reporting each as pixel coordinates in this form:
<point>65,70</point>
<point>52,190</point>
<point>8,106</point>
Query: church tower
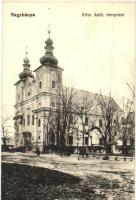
<point>48,83</point>
<point>49,74</point>
<point>22,134</point>
<point>35,97</point>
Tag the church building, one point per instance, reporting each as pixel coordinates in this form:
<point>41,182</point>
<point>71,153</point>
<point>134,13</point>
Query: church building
<point>35,94</point>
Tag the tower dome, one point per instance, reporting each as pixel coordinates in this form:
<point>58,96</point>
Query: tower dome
<point>26,71</point>
<point>49,58</point>
<point>26,60</point>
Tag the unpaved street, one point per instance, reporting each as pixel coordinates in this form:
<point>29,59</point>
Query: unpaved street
<point>83,179</point>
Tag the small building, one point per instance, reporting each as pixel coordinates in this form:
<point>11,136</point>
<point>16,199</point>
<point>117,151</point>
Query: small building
<point>128,129</point>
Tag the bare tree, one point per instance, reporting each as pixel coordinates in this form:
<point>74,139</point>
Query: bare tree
<point>127,126</point>
<point>64,111</point>
<point>111,113</point>
<point>83,108</point>
<point>132,90</point>
<point>127,131</point>
<point>5,128</point>
<point>49,127</point>
<point>57,118</point>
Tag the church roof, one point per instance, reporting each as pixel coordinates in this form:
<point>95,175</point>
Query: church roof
<point>90,100</point>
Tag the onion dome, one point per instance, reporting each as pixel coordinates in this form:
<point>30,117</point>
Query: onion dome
<point>26,60</point>
<point>49,58</point>
<point>26,71</point>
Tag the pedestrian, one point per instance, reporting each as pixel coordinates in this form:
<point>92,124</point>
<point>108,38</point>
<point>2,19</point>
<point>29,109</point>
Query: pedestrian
<point>125,159</point>
<point>116,158</point>
<point>38,151</point>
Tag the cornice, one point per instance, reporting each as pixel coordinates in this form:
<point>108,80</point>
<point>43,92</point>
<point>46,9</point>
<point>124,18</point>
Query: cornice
<point>50,67</point>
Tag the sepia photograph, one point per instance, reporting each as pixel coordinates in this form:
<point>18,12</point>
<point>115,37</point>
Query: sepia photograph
<point>68,100</point>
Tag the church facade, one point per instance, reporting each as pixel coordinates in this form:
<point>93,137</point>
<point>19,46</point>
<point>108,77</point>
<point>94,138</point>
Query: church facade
<point>35,97</point>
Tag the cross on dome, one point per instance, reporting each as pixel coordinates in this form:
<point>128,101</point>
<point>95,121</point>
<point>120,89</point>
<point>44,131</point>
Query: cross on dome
<point>49,58</point>
<point>49,32</point>
<point>26,64</point>
<point>26,60</point>
<point>26,47</point>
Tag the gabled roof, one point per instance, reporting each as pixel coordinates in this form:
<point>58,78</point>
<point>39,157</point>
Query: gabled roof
<point>82,97</point>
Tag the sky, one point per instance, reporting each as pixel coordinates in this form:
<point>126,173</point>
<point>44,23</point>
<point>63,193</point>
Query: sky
<point>96,53</point>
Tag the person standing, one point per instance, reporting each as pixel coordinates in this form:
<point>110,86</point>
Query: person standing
<point>38,152</point>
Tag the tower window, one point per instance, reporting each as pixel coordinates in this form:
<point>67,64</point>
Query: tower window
<point>39,123</point>
<point>53,84</point>
<point>40,84</point>
<point>100,122</point>
<point>32,119</point>
<point>28,119</point>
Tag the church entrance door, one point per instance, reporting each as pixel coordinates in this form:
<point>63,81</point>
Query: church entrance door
<point>27,136</point>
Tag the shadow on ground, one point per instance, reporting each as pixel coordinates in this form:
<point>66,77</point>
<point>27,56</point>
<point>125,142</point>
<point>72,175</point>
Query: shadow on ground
<point>23,181</point>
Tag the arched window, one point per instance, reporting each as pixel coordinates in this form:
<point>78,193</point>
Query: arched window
<point>28,119</point>
<point>39,123</point>
<point>24,122</point>
<point>86,140</point>
<point>40,84</point>
<point>32,119</point>
<point>53,84</point>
